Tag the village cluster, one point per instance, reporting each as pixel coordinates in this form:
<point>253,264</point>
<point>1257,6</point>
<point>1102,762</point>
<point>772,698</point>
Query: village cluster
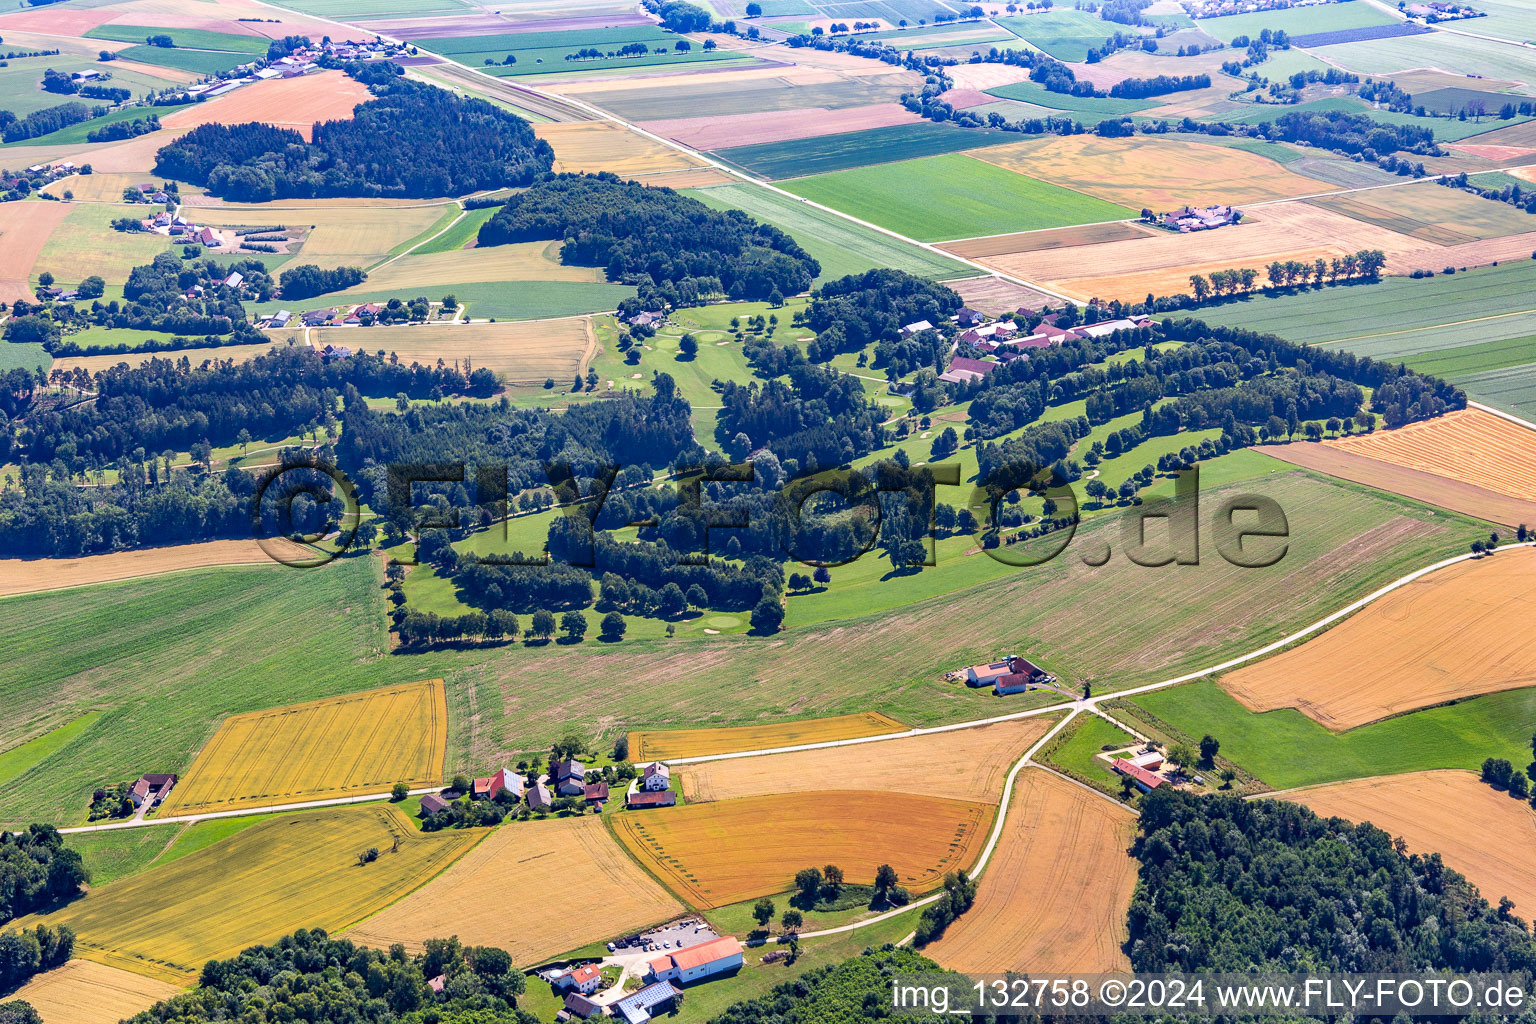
<point>651,787</point>
<point>690,953</point>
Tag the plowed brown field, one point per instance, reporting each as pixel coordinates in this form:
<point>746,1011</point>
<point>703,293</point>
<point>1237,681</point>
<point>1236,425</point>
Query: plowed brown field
<point>967,764</point>
<point>1478,830</point>
<point>714,854</point>
<point>664,744</point>
<point>1465,630</point>
<point>1468,444</point>
<point>491,896</point>
<point>1053,897</point>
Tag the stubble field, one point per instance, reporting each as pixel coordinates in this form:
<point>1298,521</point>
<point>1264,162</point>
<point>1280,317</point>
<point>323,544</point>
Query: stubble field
<point>30,576</point>
<point>1468,444</point>
<point>714,854</point>
<point>1054,895</point>
<point>1459,632</point>
<point>85,992</point>
<point>341,746</point>
<point>651,745</point>
<point>518,353</point>
<point>533,888</point>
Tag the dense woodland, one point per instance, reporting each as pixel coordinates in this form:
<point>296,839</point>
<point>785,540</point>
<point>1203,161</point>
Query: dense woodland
<point>36,871</point>
<point>675,248</point>
<point>412,140</point>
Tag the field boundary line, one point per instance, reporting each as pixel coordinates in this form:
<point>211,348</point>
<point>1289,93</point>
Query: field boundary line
<point>1340,782</point>
<point>1501,414</point>
<point>417,245</point>
<point>1428,327</point>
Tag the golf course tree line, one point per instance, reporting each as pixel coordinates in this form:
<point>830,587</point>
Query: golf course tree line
<point>412,140</point>
<point>310,976</point>
<point>674,248</point>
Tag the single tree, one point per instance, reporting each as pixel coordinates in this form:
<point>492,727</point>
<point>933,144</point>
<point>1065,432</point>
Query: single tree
<point>792,919</point>
<point>613,626</point>
<point>763,911</point>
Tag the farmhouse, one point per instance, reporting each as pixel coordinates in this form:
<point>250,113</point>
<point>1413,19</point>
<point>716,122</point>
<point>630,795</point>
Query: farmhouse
<point>570,778</point>
<point>638,799</point>
<point>1205,218</point>
<point>586,980</point>
<point>503,781</point>
<point>656,777</point>
<point>431,804</point>
<point>967,317</point>
<point>963,370</point>
<point>578,1005</point>
<point>697,962</point>
<point>539,798</point>
<point>1144,779</point>
<point>1000,331</point>
<point>151,789</point>
<point>986,675</point>
<point>597,795</point>
<point>1011,675</point>
<point>642,1005</point>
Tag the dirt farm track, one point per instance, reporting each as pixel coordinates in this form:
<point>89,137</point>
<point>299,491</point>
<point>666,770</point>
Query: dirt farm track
<point>1464,630</point>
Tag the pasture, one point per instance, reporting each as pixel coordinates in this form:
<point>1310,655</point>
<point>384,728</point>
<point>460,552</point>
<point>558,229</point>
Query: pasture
<point>83,992</point>
<point>966,764</point>
<point>1287,749</point>
<point>772,837</point>
<point>484,897</point>
<point>499,300</point>
<point>291,871</point>
<point>1054,895</point>
<point>1431,811</point>
<point>1469,445</point>
<point>460,234</point>
<point>339,746</point>
<point>822,154</point>
<point>1067,35</point>
<point>24,354</point>
<point>1407,650</point>
<point>953,196</point>
<point>839,245</point>
<point>1146,171</point>
<point>667,744</point>
<point>1074,751</point>
<point>518,353</point>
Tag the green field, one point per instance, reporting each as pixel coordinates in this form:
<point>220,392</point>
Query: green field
<point>1085,737</point>
<point>1089,106</point>
<point>463,231</point>
<point>19,84</point>
<point>839,245</point>
<point>76,134</point>
<point>191,38</point>
<point>1065,35</point>
<point>1446,129</point>
<point>1512,388</point>
<point>537,53</point>
<point>502,300</point>
<point>1360,316</point>
<point>965,33</point>
<point>24,354</point>
<point>822,154</point>
<point>1286,749</point>
<point>1459,54</point>
<point>1331,17</point>
<point>17,760</point>
<point>199,62</point>
<point>85,243</point>
<point>953,196</point>
<point>1467,359</point>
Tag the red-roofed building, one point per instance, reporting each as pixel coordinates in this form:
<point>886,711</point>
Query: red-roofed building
<point>1145,780</point>
<point>585,980</point>
<point>697,962</point>
<point>597,793</point>
<point>648,799</point>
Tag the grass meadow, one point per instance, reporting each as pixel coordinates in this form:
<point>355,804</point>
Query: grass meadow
<point>1296,21</point>
<point>822,154</point>
<point>953,196</point>
<point>1064,34</point>
<point>1089,106</point>
<point>1086,737</point>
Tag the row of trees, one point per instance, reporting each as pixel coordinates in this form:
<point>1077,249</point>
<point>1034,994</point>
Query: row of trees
<point>28,952</point>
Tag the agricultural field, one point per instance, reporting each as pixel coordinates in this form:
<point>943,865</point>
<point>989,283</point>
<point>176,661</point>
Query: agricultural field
<point>1457,363</point>
<point>19,576</point>
<point>1468,445</point>
<point>1064,34</point>
<point>1408,650</point>
<point>293,871</point>
<point>1286,749</point>
<point>1087,106</point>
<point>540,53</point>
<point>823,154</point>
<point>24,231</point>
<point>18,759</point>
<point>595,146</point>
<point>483,897</point>
<point>671,744</point>
<point>341,746</point>
<point>967,764</point>
<point>195,356</point>
<point>954,196</point>
<point>922,837</point>
<point>190,38</point>
<point>1431,212</point>
<point>1512,389</point>
<point>743,130</point>
<point>1431,811</point>
<point>1146,172</point>
<point>198,62</point>
<point>733,93</point>
<point>1334,17</point>
<point>1054,895</point>
<point>355,237</point>
<point>86,244</point>
<point>497,300</point>
<point>518,353</point>
<point>1446,51</point>
<point>839,245</point>
<point>84,992</point>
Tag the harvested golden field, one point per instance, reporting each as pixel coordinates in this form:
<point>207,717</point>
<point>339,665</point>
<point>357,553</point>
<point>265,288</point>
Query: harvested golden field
<point>525,352</point>
<point>688,177</point>
<point>1427,211</point>
<point>340,746</point>
<point>27,576</point>
<point>713,854</point>
<point>967,764</point>
<point>1468,445</point>
<point>1462,631</point>
<point>1456,495</point>
<point>24,230</point>
<point>83,992</point>
<point>1467,254</point>
<point>355,236</point>
<point>1478,830</point>
<point>708,133</point>
<point>286,102</point>
<point>652,745</point>
<point>484,897</point>
<point>1149,172</point>
<point>593,146</point>
<point>197,356</point>
<point>521,261</point>
<point>1050,238</point>
<point>1162,261</point>
<point>288,872</point>
<point>98,187</point>
<point>1054,895</point>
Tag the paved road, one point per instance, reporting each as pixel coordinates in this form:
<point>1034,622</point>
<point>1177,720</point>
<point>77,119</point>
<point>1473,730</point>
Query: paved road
<point>188,819</point>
